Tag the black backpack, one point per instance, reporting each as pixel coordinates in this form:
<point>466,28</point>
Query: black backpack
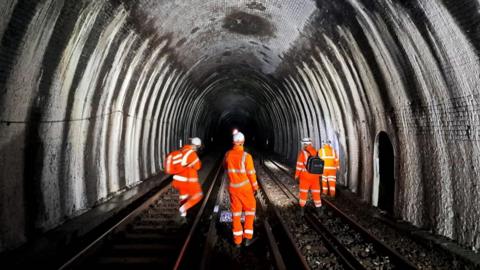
<point>315,164</point>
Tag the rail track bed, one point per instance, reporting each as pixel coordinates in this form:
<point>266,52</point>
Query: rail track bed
<point>152,236</point>
<point>350,243</point>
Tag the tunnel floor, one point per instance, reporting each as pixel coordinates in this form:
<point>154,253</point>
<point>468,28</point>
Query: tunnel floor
<point>151,236</point>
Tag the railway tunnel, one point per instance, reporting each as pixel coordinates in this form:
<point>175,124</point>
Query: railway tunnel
<point>94,94</point>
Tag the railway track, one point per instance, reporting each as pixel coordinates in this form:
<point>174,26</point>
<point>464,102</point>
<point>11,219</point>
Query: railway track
<point>273,248</point>
<point>352,244</point>
<point>150,237</point>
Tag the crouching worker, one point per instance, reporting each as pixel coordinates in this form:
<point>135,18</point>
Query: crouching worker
<point>243,184</point>
<point>308,180</point>
<point>184,165</point>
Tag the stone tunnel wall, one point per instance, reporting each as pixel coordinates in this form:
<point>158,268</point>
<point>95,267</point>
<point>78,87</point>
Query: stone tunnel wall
<point>411,70</point>
<point>83,99</point>
<point>93,95</point>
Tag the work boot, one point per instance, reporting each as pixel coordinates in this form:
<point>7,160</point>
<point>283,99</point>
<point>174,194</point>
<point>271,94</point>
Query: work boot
<point>302,212</point>
<point>249,242</point>
<point>182,220</point>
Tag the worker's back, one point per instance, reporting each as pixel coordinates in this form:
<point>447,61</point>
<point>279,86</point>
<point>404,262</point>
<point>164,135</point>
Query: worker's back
<point>240,169</point>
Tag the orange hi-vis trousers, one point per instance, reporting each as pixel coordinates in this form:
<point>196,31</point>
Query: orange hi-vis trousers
<point>190,193</point>
<point>329,181</point>
<point>312,184</point>
<point>242,200</point>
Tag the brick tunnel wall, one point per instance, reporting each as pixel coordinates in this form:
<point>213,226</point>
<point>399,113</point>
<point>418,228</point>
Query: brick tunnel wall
<point>94,93</point>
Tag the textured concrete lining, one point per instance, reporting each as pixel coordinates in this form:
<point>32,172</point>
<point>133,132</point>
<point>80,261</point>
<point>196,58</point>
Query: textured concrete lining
<point>93,94</point>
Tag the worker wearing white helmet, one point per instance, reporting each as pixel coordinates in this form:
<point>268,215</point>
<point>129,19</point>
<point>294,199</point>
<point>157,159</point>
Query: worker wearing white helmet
<point>307,181</point>
<point>243,184</point>
<point>186,180</point>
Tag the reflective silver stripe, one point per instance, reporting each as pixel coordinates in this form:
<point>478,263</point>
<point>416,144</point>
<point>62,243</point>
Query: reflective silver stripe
<point>199,194</point>
<point>332,188</point>
<point>298,168</point>
<point>251,172</point>
<point>324,156</point>
<point>194,162</point>
<point>331,177</point>
<point>303,190</point>
<point>305,155</point>
<point>325,188</point>
<point>236,171</point>
<point>302,200</point>
<point>241,184</point>
<point>329,168</point>
<point>244,159</point>
<point>248,231</point>
<point>255,184</point>
<point>183,196</point>
<point>236,214</point>
<point>299,163</point>
<point>177,156</point>
<point>180,178</point>
<point>192,179</point>
<point>177,161</point>
<point>185,157</point>
<point>238,233</point>
<point>315,190</point>
<point>249,213</point>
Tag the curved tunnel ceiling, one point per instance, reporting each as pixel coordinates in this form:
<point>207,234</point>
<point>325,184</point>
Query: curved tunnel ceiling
<point>95,93</point>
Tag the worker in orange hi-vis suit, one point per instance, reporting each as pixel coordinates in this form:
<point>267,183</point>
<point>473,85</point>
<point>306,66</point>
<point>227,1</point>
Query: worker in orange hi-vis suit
<point>331,165</point>
<point>243,184</point>
<point>307,180</point>
<point>186,182</point>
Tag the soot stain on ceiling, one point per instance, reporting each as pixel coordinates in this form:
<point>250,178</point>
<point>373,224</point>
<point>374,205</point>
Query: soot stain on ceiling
<point>248,24</point>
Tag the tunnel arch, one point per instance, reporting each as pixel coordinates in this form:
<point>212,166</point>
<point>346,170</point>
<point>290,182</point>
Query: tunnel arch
<point>93,94</point>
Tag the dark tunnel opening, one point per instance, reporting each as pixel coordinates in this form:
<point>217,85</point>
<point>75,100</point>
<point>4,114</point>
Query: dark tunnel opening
<point>386,197</point>
<point>238,97</point>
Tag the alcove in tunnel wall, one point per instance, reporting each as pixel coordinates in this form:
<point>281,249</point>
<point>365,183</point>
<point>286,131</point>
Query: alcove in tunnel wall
<point>410,70</point>
<point>95,93</point>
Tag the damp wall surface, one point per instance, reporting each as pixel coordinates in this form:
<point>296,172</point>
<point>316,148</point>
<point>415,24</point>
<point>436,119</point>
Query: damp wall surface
<point>93,94</point>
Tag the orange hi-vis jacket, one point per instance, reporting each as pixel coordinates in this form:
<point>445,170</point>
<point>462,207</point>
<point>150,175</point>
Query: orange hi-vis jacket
<point>241,170</point>
<point>330,157</point>
<point>192,164</point>
<point>301,169</point>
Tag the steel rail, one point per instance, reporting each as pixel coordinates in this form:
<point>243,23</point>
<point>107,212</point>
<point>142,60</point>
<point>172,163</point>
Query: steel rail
<point>332,243</point>
<point>398,259</point>
<point>80,256</point>
<point>302,261</point>
<point>181,255</point>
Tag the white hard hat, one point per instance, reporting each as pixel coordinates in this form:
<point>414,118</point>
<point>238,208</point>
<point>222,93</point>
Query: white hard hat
<point>196,141</point>
<point>306,141</point>
<point>238,137</point>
